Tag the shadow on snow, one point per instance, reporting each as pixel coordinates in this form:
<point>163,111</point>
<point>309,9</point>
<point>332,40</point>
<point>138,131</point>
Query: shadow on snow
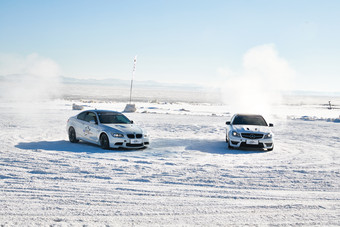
<point>205,146</point>
<point>63,145</point>
<point>220,147</point>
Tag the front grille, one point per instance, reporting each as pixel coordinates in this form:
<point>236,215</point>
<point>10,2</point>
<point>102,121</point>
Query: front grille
<point>252,135</point>
<point>133,136</point>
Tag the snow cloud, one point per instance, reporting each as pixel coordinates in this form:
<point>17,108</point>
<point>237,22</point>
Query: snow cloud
<point>259,86</point>
<point>28,78</point>
<point>27,83</point>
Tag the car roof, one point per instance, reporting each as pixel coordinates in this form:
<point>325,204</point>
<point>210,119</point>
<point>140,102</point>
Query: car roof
<point>103,111</point>
<point>248,115</point>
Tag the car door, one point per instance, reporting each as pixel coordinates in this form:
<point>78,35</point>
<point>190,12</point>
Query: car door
<point>80,124</point>
<point>91,128</point>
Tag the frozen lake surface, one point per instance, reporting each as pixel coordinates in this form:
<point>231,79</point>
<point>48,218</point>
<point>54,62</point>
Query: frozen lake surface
<point>186,177</point>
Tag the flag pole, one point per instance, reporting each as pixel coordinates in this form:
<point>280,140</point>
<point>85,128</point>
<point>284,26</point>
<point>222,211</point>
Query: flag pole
<point>133,75</point>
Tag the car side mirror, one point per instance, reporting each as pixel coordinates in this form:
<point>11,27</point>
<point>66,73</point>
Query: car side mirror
<point>271,125</point>
<point>131,122</point>
<point>227,123</point>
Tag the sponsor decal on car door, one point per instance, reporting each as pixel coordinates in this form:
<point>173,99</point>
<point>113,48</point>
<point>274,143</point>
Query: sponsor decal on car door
<point>91,131</point>
<point>90,127</point>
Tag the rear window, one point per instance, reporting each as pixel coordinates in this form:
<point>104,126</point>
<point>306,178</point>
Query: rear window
<point>249,120</point>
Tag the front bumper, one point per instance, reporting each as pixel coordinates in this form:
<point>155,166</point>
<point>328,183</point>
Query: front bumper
<point>128,143</point>
<point>239,142</point>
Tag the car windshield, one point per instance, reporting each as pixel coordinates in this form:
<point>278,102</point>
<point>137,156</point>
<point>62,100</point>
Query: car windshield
<point>113,118</point>
<point>249,120</point>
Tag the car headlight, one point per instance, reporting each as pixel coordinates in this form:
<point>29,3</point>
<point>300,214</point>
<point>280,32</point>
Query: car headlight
<point>268,135</point>
<point>117,135</point>
<point>235,134</point>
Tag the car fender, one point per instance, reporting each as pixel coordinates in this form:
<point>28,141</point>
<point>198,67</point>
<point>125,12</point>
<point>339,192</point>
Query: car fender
<point>100,133</point>
<point>108,131</point>
<point>70,123</point>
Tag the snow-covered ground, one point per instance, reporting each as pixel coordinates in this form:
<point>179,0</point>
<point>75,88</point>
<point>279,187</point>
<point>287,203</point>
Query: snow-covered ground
<point>186,177</point>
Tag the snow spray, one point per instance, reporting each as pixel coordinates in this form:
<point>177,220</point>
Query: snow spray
<point>260,85</point>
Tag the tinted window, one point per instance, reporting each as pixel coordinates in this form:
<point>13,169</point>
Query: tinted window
<point>81,116</point>
<point>91,117</point>
<point>249,120</point>
<point>113,118</point>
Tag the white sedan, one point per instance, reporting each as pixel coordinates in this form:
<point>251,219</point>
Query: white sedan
<point>246,130</point>
<point>109,129</point>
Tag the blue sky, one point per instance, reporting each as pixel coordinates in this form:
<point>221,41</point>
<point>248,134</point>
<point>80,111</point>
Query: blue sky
<point>176,41</point>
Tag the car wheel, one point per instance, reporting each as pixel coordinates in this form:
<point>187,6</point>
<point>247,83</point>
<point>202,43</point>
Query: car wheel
<point>104,141</point>
<point>72,135</point>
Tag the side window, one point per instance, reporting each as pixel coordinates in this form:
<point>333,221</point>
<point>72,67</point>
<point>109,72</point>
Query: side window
<point>91,117</point>
<point>81,116</point>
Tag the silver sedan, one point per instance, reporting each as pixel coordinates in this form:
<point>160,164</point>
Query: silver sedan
<point>249,130</point>
<point>109,129</point>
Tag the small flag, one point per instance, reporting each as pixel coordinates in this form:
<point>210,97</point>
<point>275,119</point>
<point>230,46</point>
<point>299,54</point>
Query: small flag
<point>134,63</point>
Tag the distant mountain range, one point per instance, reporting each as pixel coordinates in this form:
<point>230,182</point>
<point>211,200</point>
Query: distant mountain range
<point>181,86</point>
<point>120,82</point>
<point>103,82</point>
<point>145,84</point>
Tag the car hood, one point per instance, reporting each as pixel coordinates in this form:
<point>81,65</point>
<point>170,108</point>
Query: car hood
<point>124,128</point>
<point>251,129</point>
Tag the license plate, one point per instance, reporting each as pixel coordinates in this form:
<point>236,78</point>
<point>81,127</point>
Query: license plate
<point>253,142</point>
<point>136,141</point>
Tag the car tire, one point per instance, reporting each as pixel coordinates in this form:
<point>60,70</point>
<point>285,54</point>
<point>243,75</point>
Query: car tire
<point>104,141</point>
<point>72,135</point>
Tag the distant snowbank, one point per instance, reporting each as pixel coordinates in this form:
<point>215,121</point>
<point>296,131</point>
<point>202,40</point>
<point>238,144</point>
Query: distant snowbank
<point>314,118</point>
<point>278,113</point>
